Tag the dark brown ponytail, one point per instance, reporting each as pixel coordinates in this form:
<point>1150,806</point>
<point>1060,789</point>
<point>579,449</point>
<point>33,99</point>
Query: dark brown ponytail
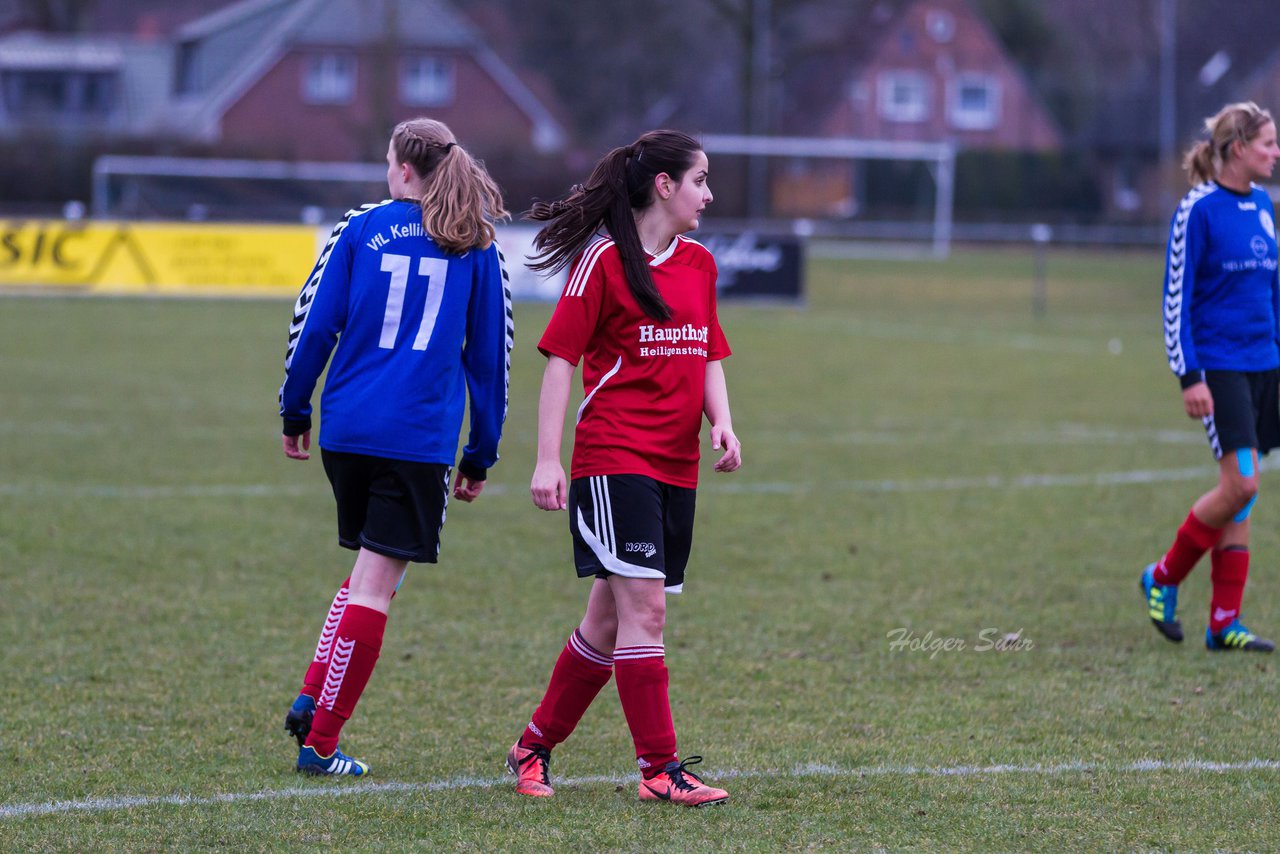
<point>622,181</point>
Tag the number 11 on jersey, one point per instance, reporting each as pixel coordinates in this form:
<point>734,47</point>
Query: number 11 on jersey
<point>434,270</point>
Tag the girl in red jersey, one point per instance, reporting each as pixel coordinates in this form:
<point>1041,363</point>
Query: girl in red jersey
<point>639,312</point>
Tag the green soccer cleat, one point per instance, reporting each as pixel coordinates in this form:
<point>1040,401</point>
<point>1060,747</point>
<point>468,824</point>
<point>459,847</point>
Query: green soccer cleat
<point>1236,636</point>
<point>1162,604</point>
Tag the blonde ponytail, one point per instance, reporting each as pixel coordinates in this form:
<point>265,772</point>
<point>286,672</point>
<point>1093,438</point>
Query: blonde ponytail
<point>1239,122</point>
<point>460,202</point>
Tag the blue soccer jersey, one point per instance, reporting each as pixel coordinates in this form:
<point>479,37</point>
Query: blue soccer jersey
<point>416,329</point>
<point>1221,292</point>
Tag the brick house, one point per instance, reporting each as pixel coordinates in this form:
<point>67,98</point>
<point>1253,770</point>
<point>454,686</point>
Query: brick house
<point>935,73</point>
<point>293,79</point>
<point>931,71</point>
<point>325,79</point>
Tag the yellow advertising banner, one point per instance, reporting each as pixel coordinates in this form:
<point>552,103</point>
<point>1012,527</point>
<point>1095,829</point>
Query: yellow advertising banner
<point>159,258</point>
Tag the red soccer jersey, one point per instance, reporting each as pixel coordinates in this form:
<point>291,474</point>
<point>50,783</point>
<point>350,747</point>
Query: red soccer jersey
<point>643,380</point>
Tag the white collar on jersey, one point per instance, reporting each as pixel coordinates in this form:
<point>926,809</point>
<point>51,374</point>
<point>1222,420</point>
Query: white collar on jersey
<point>665,253</point>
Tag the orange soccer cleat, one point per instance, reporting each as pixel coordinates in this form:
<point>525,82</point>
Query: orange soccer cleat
<point>530,765</point>
<point>680,786</point>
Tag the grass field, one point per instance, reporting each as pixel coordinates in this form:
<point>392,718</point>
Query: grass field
<point>925,460</point>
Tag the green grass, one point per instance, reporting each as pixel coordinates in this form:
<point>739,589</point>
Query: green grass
<point>922,453</point>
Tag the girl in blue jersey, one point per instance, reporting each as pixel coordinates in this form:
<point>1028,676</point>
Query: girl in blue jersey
<point>413,294</point>
<point>1222,337</point>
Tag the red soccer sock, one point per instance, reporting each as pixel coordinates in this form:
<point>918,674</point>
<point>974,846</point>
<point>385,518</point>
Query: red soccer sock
<point>1193,540</point>
<point>642,687</point>
<point>580,672</point>
<point>356,646</point>
<point>1230,568</point>
<point>313,682</point>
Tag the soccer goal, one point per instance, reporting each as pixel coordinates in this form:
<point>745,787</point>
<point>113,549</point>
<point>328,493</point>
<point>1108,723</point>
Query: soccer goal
<point>848,216</point>
<point>187,188</point>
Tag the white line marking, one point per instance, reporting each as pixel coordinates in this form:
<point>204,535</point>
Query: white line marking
<point>102,490</point>
<point>350,788</point>
<point>924,484</point>
<point>974,434</point>
<point>954,484</point>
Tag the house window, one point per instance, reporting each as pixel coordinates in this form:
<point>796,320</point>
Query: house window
<point>904,96</point>
<point>329,78</point>
<point>426,81</point>
<point>974,102</point>
<point>59,94</point>
<point>185,82</point>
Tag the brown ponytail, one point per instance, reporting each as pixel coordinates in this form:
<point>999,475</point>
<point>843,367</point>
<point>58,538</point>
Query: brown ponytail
<point>622,181</point>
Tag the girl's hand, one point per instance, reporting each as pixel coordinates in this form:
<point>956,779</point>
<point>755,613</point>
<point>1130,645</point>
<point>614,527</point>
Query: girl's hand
<point>1198,400</point>
<point>549,488</point>
<point>732,458</point>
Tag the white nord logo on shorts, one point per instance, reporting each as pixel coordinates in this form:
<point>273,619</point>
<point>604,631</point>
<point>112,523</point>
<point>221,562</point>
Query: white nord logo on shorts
<point>647,549</point>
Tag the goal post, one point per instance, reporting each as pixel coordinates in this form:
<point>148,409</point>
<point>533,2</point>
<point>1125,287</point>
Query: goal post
<point>939,157</point>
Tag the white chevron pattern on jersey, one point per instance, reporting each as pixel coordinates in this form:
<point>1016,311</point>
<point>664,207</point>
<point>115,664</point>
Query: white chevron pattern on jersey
<point>1177,274</point>
<point>511,335</point>
<point>331,625</point>
<point>303,306</point>
<point>337,672</point>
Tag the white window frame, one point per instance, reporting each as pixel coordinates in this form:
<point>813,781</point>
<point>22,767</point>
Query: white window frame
<point>329,78</point>
<point>965,118</point>
<point>426,81</point>
<point>890,83</point>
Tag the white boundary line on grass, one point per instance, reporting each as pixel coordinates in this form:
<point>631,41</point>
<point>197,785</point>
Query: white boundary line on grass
<point>925,484</point>
<point>343,789</point>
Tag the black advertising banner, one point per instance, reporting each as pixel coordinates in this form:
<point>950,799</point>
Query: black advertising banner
<point>753,265</point>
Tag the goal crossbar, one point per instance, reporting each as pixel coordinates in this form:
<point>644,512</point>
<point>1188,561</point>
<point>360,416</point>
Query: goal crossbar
<point>107,166</point>
<point>941,157</point>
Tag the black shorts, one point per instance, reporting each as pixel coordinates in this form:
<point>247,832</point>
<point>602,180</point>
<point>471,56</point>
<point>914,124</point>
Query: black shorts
<point>631,525</point>
<point>1246,411</point>
<point>393,507</point>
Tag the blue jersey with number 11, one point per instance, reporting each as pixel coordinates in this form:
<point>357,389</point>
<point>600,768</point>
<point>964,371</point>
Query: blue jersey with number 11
<point>415,328</point>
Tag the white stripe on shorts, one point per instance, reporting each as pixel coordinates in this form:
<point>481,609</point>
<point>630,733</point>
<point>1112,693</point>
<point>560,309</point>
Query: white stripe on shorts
<point>607,558</point>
